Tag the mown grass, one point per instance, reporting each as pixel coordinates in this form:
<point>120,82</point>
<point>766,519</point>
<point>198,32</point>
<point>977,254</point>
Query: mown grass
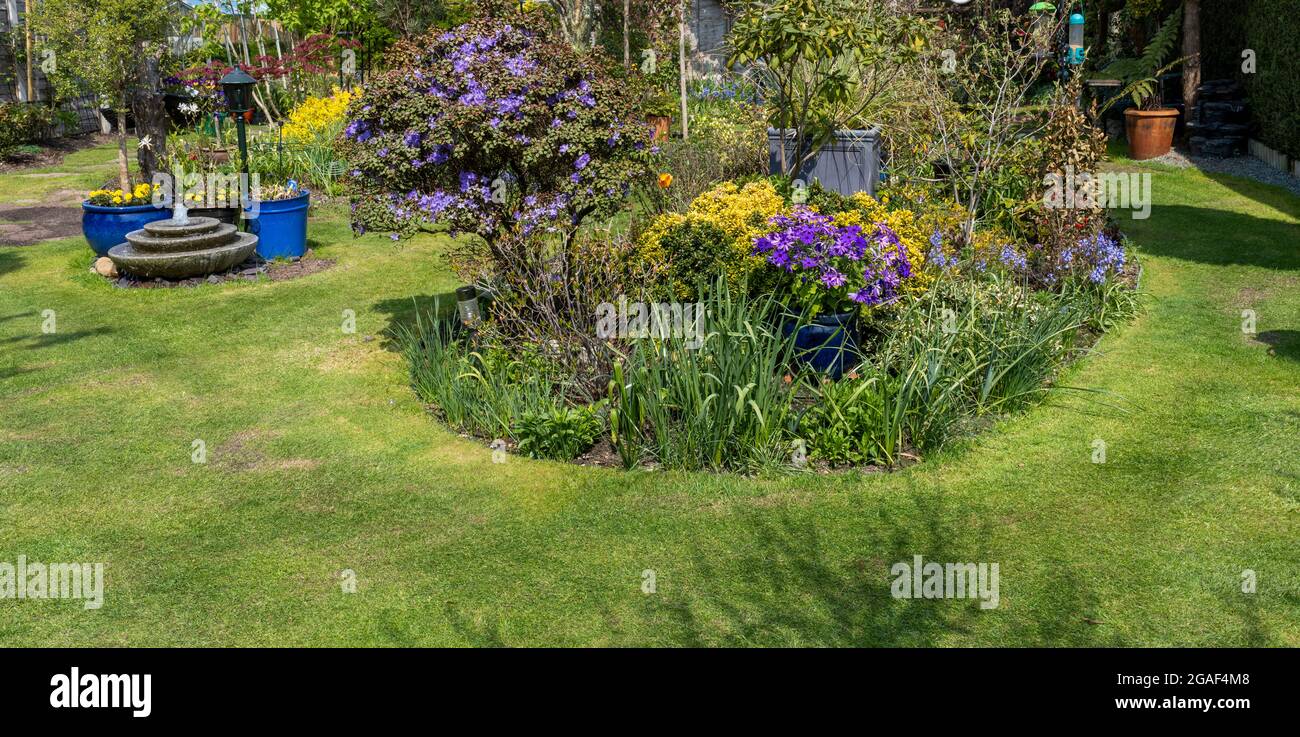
<point>82,171</point>
<point>320,459</point>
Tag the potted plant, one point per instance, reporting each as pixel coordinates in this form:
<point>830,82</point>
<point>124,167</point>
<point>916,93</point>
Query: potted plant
<point>277,215</point>
<point>107,215</point>
<point>1148,125</point>
<point>834,272</point>
<point>659,113</point>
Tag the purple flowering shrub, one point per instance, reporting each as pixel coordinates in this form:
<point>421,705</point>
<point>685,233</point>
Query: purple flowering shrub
<point>835,268</point>
<point>492,127</point>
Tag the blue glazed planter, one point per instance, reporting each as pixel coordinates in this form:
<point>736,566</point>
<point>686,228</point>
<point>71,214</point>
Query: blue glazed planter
<point>826,344</point>
<point>105,227</point>
<point>280,227</point>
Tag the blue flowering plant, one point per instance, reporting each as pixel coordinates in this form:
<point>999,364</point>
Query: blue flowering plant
<point>492,128</point>
<point>1097,259</point>
<point>834,268</point>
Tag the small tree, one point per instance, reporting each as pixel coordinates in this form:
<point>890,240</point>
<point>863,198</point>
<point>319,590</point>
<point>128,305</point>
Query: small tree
<point>977,90</point>
<point>97,45</point>
<point>823,64</point>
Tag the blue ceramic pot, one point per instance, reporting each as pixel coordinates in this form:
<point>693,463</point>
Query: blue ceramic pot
<point>826,344</point>
<point>280,227</point>
<point>105,227</point>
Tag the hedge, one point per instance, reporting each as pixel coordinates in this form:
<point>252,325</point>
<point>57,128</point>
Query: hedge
<point>1270,29</point>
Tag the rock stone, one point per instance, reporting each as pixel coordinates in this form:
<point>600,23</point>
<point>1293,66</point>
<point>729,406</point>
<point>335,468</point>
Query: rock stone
<point>104,266</point>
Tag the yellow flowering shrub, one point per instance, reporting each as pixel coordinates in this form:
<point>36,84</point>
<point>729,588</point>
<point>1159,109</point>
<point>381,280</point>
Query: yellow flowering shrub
<point>716,233</point>
<point>142,194</point>
<point>318,117</point>
<point>906,226</point>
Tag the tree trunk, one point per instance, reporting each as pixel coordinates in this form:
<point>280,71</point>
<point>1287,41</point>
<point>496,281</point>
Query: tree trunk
<point>150,118</point>
<point>627,44</point>
<point>1191,50</point>
<point>681,69</point>
<point>123,164</point>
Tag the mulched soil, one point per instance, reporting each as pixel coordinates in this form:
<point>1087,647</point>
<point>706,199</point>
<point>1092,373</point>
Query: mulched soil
<point>26,225</point>
<point>58,215</point>
<point>250,270</point>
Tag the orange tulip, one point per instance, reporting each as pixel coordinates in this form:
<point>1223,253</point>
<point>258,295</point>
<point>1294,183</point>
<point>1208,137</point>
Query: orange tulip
<point>665,180</point>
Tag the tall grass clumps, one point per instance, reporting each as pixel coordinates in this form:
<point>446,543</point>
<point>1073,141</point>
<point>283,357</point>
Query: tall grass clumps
<point>475,390</point>
<point>724,404</point>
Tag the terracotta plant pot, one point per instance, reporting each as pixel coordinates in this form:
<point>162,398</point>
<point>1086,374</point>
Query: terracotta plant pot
<point>1150,132</point>
<point>217,155</point>
<point>661,124</point>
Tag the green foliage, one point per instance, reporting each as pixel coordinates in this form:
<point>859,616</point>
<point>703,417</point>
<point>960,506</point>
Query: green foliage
<point>721,405</point>
<point>26,123</point>
<point>507,129</point>
<point>694,250</point>
<point>1274,87</point>
<point>822,63</point>
<point>1141,74</point>
<point>968,347</point>
<point>483,392</point>
<point>98,44</point>
<point>848,422</point>
<point>561,434</point>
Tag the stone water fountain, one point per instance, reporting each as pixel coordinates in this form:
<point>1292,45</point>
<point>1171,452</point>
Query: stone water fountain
<point>182,247</point>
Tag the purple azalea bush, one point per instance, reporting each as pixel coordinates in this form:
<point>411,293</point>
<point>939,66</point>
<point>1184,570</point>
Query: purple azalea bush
<point>835,268</point>
<point>492,127</point>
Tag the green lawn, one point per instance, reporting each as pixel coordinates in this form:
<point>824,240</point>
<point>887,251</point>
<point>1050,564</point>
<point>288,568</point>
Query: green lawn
<point>320,459</point>
<point>80,171</point>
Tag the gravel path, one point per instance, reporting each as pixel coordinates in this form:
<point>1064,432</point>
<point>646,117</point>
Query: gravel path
<point>1241,166</point>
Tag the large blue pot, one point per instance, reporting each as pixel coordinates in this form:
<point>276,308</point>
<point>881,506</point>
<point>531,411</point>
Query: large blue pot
<point>106,227</point>
<point>280,227</point>
<point>826,344</point>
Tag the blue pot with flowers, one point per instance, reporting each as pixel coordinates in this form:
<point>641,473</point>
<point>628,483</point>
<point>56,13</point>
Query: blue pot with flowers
<point>278,217</point>
<point>107,215</point>
<point>834,272</point>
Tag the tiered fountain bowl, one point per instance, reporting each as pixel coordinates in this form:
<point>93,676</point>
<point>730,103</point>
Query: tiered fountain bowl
<point>180,249</point>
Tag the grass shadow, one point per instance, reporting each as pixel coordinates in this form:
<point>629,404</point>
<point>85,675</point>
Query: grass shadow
<point>1281,343</point>
<point>1225,238</point>
<point>46,340</point>
<point>795,590</point>
<point>402,313</point>
<point>10,260</point>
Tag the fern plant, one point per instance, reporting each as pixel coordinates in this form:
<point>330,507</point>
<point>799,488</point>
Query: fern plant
<point>1141,74</point>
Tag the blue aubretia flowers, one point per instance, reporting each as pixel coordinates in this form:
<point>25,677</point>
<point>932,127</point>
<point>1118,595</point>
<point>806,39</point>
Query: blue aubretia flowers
<point>836,267</point>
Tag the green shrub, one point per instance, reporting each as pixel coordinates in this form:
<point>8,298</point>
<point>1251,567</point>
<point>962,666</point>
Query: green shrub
<point>694,249</point>
<point>1274,87</point>
<point>508,128</point>
<point>479,391</point>
<point>22,122</point>
<point>560,434</point>
<point>724,404</point>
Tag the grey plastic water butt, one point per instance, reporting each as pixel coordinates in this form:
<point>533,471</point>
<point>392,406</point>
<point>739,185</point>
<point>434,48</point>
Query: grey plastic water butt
<point>848,164</point>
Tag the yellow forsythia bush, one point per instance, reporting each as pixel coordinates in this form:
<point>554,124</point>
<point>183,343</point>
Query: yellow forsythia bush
<point>318,117</point>
<point>716,233</point>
